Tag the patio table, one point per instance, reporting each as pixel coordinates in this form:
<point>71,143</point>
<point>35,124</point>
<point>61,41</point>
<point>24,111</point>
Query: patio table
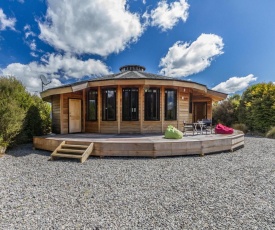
<point>199,125</point>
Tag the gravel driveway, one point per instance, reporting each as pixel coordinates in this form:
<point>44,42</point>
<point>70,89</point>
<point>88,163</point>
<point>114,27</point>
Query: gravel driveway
<point>219,191</point>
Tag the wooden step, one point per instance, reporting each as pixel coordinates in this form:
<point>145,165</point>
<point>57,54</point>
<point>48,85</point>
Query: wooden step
<point>73,151</point>
<point>87,152</point>
<point>75,146</point>
<point>66,155</point>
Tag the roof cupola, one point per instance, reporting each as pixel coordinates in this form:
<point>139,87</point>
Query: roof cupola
<point>132,68</point>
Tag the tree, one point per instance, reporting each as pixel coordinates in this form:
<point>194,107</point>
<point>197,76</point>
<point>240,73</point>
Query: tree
<point>257,107</point>
<point>13,102</point>
<point>22,115</point>
<point>225,112</point>
<point>37,121</point>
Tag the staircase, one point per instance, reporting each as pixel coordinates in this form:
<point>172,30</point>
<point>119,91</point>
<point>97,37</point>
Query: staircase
<point>74,150</point>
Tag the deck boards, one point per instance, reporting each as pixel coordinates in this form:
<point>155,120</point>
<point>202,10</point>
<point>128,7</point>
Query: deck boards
<point>146,145</point>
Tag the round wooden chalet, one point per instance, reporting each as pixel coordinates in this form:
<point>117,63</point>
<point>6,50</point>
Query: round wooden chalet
<point>131,101</point>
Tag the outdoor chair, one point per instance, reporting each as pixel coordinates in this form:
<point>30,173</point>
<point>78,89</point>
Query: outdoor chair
<point>188,127</point>
<point>207,125</point>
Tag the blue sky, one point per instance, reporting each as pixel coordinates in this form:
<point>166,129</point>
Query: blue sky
<point>226,45</point>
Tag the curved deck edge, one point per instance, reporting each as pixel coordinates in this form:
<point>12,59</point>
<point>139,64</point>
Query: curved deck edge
<point>146,146</point>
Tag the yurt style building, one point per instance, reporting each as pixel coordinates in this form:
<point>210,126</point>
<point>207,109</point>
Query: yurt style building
<point>131,101</point>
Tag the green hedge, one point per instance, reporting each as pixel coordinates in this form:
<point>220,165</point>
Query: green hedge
<point>22,115</point>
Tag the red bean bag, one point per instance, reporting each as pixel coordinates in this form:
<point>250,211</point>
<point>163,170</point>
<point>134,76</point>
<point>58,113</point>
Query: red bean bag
<point>221,129</point>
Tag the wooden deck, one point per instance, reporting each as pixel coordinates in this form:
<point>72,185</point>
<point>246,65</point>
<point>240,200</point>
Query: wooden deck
<point>145,145</point>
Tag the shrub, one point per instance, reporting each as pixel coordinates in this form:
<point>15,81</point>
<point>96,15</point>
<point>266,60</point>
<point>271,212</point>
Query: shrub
<point>37,121</point>
<point>225,112</point>
<point>11,120</point>
<point>12,112</point>
<point>271,133</point>
<point>241,127</point>
<point>257,107</point>
<point>21,115</point>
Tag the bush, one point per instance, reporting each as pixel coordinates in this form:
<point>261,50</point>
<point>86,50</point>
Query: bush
<point>225,111</point>
<point>12,111</point>
<point>241,127</point>
<point>219,116</point>
<point>21,115</point>
<point>257,107</point>
<point>271,133</point>
<point>37,121</point>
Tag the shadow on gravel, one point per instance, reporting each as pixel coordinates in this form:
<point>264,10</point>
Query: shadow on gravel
<point>254,136</point>
<point>25,150</point>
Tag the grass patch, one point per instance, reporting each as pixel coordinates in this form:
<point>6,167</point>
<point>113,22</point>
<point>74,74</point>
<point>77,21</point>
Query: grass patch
<point>271,133</point>
<point>241,127</point>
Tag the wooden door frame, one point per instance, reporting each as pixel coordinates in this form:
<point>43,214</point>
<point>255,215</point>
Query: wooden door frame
<point>81,101</point>
<point>194,109</point>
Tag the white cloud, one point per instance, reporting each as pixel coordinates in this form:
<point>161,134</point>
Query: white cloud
<point>235,84</point>
<point>166,16</point>
<point>54,66</point>
<point>33,45</point>
<point>6,22</point>
<point>184,59</point>
<point>29,41</point>
<point>34,54</point>
<point>28,32</point>
<point>93,27</point>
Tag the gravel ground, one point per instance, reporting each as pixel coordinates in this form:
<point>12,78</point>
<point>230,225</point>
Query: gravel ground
<point>218,191</point>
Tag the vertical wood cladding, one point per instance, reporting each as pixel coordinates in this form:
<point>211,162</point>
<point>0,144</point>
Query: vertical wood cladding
<point>56,114</point>
<point>60,115</point>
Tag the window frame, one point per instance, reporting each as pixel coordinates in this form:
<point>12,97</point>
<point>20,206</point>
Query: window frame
<point>156,97</point>
<point>133,92</point>
<point>88,105</point>
<point>174,104</point>
<point>105,112</point>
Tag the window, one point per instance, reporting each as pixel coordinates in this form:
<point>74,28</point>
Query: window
<point>92,105</point>
<point>190,103</point>
<point>130,104</point>
<point>151,107</point>
<point>170,104</point>
<point>109,105</point>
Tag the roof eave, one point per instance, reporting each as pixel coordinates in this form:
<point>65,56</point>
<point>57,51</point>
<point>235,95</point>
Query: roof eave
<point>216,96</point>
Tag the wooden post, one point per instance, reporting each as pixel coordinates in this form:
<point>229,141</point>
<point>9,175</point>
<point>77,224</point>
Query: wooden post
<point>162,108</point>
<point>99,108</point>
<point>84,110</point>
<point>178,109</point>
<point>141,108</point>
<point>118,110</point>
<point>61,114</point>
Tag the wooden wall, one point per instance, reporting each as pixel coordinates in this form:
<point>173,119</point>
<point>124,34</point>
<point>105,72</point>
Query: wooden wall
<point>91,127</point>
<point>61,110</point>
<point>55,114</point>
<point>108,127</point>
<point>183,106</point>
<point>130,127</point>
